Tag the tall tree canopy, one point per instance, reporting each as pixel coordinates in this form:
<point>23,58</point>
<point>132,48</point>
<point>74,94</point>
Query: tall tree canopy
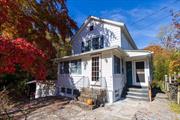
<point>30,29</point>
<point>165,61</point>
<point>170,34</point>
<point>45,23</point>
<point>20,52</point>
<point>160,61</point>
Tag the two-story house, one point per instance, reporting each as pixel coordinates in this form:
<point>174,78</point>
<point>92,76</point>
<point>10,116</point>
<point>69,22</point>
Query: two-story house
<point>104,56</point>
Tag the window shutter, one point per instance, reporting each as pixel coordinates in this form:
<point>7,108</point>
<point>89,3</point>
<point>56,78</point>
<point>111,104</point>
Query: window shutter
<point>122,61</point>
<point>82,47</point>
<point>88,46</point>
<point>102,42</point>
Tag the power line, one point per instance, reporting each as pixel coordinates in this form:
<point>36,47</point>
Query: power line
<point>163,17</point>
<point>155,12</point>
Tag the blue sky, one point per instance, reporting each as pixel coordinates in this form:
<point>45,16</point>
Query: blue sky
<point>144,32</point>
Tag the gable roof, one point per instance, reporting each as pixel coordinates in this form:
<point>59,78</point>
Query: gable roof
<point>115,23</point>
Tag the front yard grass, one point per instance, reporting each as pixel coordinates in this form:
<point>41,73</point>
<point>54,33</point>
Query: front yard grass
<point>175,107</point>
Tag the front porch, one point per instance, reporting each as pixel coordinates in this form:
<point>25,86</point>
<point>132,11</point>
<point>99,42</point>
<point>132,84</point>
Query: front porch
<point>97,69</point>
<point>110,69</point>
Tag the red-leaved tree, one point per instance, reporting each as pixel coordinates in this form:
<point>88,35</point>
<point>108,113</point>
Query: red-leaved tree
<point>45,23</point>
<point>22,53</point>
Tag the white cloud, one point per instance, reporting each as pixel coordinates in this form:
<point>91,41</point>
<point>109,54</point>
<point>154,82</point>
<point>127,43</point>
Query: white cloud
<point>115,14</point>
<point>139,13</point>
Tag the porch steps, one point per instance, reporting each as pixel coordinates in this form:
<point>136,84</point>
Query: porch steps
<point>138,93</point>
<point>97,95</point>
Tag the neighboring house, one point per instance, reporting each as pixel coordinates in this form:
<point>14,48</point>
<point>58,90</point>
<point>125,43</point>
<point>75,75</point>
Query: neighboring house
<point>104,56</point>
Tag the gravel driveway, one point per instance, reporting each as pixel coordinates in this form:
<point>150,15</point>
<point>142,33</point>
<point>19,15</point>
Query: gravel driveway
<point>126,109</point>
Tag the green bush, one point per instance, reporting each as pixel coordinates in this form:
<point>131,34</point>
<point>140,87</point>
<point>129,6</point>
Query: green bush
<point>158,85</point>
<point>160,68</point>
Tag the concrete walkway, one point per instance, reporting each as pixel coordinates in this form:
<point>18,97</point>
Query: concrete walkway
<point>126,109</point>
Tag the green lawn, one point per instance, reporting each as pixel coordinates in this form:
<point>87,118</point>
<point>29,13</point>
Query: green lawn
<point>175,107</point>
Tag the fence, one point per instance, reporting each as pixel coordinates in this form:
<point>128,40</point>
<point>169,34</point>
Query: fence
<point>172,87</point>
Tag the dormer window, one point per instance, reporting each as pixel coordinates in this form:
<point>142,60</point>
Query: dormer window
<point>93,44</point>
<point>91,28</point>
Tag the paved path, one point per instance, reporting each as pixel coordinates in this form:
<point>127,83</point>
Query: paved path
<point>127,109</point>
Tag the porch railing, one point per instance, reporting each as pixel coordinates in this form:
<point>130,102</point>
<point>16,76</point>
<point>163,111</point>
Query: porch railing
<point>101,83</point>
<point>82,83</point>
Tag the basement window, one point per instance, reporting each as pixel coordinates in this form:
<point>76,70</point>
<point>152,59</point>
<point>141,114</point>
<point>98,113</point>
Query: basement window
<point>63,90</point>
<point>69,91</point>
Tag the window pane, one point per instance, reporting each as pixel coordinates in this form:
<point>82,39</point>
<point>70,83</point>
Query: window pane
<point>73,66</point>
<point>116,65</point>
<point>95,68</point>
<point>91,28</point>
<point>140,77</point>
<point>76,66</point>
<point>66,67</point>
<point>95,43</point>
<point>61,68</point>
<point>88,45</point>
<point>79,67</point>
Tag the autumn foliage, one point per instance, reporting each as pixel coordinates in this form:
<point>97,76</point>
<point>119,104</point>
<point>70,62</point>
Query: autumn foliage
<point>20,52</point>
<point>29,30</point>
<point>165,61</point>
<point>45,23</point>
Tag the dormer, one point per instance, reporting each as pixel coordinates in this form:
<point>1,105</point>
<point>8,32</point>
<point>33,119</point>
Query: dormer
<point>97,33</point>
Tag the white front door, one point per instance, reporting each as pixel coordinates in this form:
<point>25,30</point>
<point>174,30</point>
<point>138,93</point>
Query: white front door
<point>139,73</point>
<point>95,70</point>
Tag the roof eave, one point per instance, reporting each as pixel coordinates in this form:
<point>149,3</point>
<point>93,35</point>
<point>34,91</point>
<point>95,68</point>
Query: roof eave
<point>91,52</point>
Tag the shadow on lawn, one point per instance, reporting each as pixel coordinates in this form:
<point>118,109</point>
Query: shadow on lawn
<point>22,109</point>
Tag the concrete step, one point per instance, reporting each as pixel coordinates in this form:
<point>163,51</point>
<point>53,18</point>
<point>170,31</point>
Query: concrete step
<point>137,97</point>
<point>140,94</point>
<point>140,90</point>
<point>89,96</point>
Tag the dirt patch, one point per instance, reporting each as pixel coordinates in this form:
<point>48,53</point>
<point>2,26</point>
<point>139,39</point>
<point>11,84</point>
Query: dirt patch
<point>127,109</point>
<point>24,109</point>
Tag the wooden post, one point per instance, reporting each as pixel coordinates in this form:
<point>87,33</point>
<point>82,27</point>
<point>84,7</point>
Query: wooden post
<point>178,95</point>
<point>175,78</point>
<point>166,82</point>
<point>170,81</point>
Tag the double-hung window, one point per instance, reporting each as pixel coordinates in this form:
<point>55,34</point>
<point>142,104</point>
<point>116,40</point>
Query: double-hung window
<point>76,66</point>
<point>64,67</point>
<point>73,67</point>
<point>93,44</point>
<point>61,68</point>
<point>116,65</point>
<point>88,45</point>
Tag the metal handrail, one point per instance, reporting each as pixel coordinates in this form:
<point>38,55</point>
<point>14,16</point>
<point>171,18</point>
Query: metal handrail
<point>101,79</point>
<point>101,85</point>
<point>83,81</point>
